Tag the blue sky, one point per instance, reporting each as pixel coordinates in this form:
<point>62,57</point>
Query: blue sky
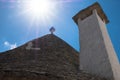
<point>17,28</point>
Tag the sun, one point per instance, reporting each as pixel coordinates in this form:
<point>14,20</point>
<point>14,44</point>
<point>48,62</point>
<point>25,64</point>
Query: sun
<point>38,12</point>
<point>39,7</point>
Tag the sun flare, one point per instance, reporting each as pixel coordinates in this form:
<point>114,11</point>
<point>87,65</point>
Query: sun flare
<point>40,11</point>
<point>39,7</point>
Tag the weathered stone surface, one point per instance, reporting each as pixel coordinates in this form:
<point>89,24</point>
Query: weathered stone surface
<point>55,57</point>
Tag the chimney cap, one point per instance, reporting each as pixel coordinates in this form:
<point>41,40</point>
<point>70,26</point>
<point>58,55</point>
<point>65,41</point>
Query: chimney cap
<point>88,11</point>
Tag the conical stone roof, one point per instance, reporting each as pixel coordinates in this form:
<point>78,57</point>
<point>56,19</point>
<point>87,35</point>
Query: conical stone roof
<point>45,58</point>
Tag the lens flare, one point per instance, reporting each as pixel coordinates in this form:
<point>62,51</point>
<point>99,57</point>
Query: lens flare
<point>40,11</point>
<point>39,7</point>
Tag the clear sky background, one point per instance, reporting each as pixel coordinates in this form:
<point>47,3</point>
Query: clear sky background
<point>18,27</point>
